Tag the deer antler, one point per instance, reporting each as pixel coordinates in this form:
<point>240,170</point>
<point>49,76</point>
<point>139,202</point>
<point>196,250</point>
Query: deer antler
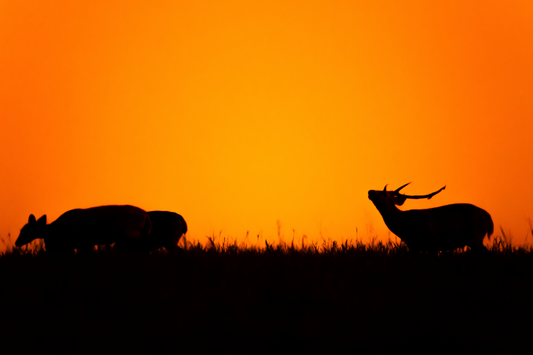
<point>401,187</point>
<point>428,196</point>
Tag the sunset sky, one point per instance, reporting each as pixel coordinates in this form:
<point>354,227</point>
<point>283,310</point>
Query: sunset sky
<point>239,114</point>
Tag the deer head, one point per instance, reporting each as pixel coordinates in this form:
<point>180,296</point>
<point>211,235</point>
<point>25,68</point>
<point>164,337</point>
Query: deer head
<point>382,198</point>
<point>32,230</point>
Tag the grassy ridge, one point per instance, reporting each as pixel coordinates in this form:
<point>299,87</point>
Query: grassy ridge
<point>325,298</point>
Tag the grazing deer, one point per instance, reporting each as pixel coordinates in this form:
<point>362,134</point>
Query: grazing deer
<point>435,229</point>
<point>167,229</point>
<point>82,229</point>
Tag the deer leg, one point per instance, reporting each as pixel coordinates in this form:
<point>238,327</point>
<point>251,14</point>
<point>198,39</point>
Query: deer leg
<point>479,249</point>
<point>173,248</point>
<point>128,245</point>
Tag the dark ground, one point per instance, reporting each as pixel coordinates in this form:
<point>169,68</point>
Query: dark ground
<point>368,299</point>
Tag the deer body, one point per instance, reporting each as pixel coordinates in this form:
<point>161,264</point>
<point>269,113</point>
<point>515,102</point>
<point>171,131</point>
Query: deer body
<point>167,229</point>
<point>435,229</point>
<point>82,229</point>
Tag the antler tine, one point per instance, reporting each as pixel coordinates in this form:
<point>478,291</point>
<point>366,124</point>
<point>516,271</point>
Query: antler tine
<point>428,196</point>
<point>385,188</point>
<point>401,187</point>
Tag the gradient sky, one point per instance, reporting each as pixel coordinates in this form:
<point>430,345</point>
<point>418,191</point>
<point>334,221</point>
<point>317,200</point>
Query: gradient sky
<point>239,114</point>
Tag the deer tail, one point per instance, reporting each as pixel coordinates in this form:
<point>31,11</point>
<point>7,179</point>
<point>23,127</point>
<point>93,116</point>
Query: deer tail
<point>184,225</point>
<point>490,228</point>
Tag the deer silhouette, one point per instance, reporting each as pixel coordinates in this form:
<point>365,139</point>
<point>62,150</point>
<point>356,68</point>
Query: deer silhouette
<point>167,230</point>
<point>82,229</point>
<point>434,229</point>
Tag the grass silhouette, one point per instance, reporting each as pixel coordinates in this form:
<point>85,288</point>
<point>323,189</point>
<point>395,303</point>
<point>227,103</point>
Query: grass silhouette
<point>328,297</point>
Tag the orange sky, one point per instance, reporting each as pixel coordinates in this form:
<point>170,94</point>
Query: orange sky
<point>237,114</point>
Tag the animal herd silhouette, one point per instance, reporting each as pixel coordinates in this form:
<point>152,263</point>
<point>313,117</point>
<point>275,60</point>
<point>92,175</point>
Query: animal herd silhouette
<point>131,228</point>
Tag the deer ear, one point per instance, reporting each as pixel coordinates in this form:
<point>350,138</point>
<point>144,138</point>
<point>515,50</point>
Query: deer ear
<point>31,219</point>
<point>41,220</point>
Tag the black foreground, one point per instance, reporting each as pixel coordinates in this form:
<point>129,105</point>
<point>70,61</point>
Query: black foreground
<point>335,299</point>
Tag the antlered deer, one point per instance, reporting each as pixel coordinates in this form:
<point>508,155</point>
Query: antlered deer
<point>82,229</point>
<point>434,229</point>
<point>167,229</point>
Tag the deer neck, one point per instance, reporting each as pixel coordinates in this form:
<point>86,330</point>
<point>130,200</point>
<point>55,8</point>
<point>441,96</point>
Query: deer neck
<point>47,231</point>
<point>392,217</point>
